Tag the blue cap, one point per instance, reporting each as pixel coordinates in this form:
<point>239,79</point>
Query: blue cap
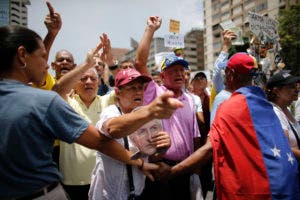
<point>172,59</point>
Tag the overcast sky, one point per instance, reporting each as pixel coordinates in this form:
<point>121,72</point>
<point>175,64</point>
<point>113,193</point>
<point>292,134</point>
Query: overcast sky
<point>85,21</point>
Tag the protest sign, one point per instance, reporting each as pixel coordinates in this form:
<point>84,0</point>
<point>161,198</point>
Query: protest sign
<point>263,26</point>
<point>173,40</point>
<point>174,26</point>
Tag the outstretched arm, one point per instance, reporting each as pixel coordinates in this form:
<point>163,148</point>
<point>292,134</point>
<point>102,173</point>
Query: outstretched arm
<point>160,108</point>
<point>91,138</point>
<point>194,161</point>
<point>53,24</point>
<point>142,53</point>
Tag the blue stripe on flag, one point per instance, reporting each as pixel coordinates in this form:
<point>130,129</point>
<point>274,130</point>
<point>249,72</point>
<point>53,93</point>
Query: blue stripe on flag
<point>281,165</point>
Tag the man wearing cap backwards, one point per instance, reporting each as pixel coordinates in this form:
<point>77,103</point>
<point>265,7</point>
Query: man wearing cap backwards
<point>182,126</point>
<point>238,73</point>
<point>281,90</point>
<point>252,157</point>
<point>109,178</point>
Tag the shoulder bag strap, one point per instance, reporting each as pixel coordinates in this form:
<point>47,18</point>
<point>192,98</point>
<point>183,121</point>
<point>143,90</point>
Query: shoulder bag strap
<point>129,170</point>
<point>128,167</point>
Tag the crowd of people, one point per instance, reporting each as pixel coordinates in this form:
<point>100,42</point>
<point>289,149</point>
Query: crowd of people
<point>68,136</point>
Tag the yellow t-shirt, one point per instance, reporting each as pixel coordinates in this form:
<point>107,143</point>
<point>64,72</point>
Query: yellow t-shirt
<point>49,83</point>
<point>213,95</point>
<point>77,162</point>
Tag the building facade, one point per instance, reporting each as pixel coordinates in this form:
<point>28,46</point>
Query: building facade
<point>157,46</point>
<point>193,51</point>
<point>217,11</point>
<point>13,12</point>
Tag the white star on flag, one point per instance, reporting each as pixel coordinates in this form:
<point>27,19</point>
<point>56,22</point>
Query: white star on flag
<point>276,151</point>
<point>290,158</point>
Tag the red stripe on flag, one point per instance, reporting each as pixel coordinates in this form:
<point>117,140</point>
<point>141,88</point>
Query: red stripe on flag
<point>239,168</point>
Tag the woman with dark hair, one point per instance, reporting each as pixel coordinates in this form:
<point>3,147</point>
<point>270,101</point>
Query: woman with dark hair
<point>31,119</point>
<point>281,90</point>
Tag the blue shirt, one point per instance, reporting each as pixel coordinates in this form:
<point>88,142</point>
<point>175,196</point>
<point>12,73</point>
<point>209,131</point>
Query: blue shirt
<point>217,71</point>
<point>30,120</point>
<point>220,98</point>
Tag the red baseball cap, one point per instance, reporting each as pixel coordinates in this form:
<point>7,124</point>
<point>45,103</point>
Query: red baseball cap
<point>242,63</point>
<point>125,76</point>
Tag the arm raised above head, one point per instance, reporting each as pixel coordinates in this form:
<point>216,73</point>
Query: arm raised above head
<point>53,24</point>
<point>142,53</point>
<point>160,108</point>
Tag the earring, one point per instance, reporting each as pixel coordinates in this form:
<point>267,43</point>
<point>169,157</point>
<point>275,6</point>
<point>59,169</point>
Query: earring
<point>24,66</point>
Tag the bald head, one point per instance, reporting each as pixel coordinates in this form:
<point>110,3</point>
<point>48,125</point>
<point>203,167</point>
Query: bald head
<point>64,62</point>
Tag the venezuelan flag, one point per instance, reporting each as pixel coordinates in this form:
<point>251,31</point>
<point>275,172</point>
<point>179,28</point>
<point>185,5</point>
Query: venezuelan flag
<point>252,156</point>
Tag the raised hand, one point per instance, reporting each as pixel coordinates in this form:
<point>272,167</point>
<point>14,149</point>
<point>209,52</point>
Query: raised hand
<point>53,20</point>
<point>164,105</point>
<point>228,36</point>
<point>154,22</point>
<point>106,55</point>
<point>90,61</point>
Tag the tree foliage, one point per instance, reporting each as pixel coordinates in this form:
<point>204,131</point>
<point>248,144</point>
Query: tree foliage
<point>289,33</point>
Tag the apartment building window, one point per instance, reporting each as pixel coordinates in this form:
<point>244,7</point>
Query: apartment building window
<point>216,16</point>
<point>14,15</point>
<point>15,9</point>
<point>217,35</point>
<point>237,10</point>
<point>225,15</point>
<point>215,7</point>
<point>215,27</point>
<point>192,56</point>
<point>14,21</point>
<point>15,3</point>
<point>248,1</point>
<point>224,3</point>
<point>261,7</point>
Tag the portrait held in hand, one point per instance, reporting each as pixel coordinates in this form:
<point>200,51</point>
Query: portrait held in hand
<point>142,138</point>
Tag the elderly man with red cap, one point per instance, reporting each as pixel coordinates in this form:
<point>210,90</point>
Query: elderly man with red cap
<point>112,179</point>
<point>239,70</point>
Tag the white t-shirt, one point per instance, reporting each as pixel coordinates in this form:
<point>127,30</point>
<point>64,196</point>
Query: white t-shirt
<point>286,126</point>
<point>297,110</point>
<point>109,177</point>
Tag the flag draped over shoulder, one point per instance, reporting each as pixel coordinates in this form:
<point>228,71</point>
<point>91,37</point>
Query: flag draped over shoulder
<point>252,157</point>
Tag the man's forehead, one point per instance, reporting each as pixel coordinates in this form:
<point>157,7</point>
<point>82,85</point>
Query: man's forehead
<point>174,67</point>
<point>64,54</point>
